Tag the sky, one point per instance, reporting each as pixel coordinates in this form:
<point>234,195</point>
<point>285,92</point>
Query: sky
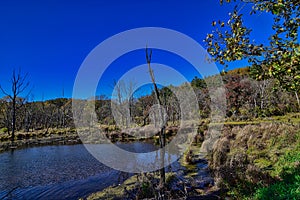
<point>49,40</point>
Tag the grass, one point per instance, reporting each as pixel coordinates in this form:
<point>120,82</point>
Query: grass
<point>281,159</point>
<point>138,186</point>
<point>288,168</point>
<point>115,192</point>
<point>259,161</point>
<point>292,118</point>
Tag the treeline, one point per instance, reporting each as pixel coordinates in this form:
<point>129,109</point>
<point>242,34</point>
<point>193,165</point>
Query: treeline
<point>38,115</point>
<point>246,99</point>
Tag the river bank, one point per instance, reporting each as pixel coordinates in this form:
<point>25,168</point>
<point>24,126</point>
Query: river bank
<point>248,159</point>
<point>191,181</point>
<point>69,136</point>
<point>56,136</point>
<point>39,138</point>
<point>259,161</point>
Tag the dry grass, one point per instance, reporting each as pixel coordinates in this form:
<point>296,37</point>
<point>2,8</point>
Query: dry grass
<point>245,156</point>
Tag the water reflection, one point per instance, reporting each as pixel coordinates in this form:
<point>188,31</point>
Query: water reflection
<point>59,172</point>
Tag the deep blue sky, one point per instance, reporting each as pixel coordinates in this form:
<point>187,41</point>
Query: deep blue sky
<point>50,39</point>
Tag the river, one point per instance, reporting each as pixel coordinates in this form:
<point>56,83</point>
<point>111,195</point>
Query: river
<point>59,172</point>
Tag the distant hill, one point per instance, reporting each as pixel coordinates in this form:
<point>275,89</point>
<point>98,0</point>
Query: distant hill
<point>239,71</point>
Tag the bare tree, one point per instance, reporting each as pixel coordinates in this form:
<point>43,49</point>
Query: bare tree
<point>162,136</point>
<point>123,102</point>
<point>19,84</point>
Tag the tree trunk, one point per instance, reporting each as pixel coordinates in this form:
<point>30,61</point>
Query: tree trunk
<point>162,138</point>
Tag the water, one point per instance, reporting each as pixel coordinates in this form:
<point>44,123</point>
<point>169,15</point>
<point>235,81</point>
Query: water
<point>58,172</point>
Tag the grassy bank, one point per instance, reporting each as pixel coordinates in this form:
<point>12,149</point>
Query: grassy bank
<point>258,161</point>
<point>39,138</point>
<point>71,136</point>
<point>255,159</point>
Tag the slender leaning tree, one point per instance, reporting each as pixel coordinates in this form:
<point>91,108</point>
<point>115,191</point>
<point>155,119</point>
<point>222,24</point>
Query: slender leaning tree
<point>162,135</point>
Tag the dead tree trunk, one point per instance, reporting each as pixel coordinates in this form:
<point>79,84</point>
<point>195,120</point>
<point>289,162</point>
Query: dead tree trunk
<point>162,138</point>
